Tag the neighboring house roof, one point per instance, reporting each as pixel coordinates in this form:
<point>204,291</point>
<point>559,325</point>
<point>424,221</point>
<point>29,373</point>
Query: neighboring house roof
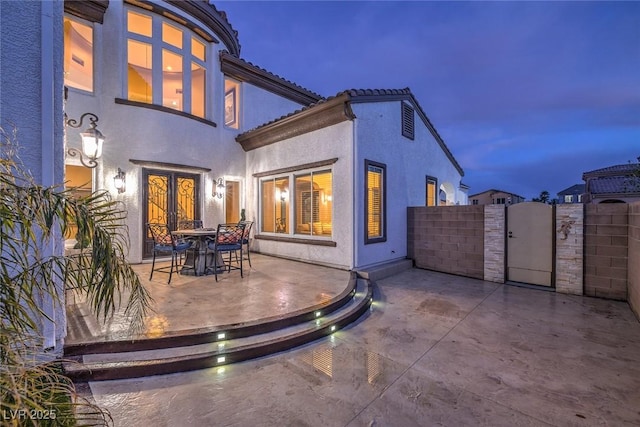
<point>574,189</point>
<point>615,184</point>
<point>494,190</point>
<point>334,109</point>
<point>626,169</point>
<point>245,71</point>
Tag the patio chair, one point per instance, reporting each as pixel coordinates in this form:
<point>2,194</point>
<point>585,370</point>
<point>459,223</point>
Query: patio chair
<point>246,236</point>
<point>166,243</point>
<point>228,240</point>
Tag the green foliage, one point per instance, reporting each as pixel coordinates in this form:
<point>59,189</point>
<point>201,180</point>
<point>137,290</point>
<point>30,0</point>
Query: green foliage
<point>543,198</point>
<point>33,220</point>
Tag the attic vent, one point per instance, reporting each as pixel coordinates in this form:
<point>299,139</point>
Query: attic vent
<point>408,129</point>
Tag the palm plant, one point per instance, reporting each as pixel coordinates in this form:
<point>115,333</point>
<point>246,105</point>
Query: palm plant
<point>33,219</point>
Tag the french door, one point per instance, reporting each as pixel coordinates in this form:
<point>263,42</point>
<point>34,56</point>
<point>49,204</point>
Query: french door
<point>168,198</point>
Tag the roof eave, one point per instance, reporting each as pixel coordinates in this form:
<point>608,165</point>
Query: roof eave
<point>317,117</point>
<point>246,72</point>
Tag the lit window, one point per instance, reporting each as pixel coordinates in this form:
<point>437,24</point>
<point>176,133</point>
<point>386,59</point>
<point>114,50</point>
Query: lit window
<point>183,73</point>
<point>313,203</point>
<point>275,205</point>
<point>568,199</point>
<point>375,202</point>
<point>307,205</point>
<point>432,184</point>
<point>231,89</point>
<point>78,55</point>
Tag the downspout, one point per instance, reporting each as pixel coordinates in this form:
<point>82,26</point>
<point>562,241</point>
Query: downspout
<point>47,147</point>
<point>354,201</point>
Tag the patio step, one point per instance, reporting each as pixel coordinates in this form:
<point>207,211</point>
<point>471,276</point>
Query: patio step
<point>234,346</point>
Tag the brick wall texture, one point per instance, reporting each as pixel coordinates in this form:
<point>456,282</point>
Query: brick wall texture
<point>633,272</point>
<point>449,239</point>
<point>569,248</point>
<point>606,241</point>
<point>494,243</point>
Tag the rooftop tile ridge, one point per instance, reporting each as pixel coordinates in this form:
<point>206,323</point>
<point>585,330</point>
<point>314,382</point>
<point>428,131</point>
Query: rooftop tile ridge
<point>224,16</point>
<point>273,75</point>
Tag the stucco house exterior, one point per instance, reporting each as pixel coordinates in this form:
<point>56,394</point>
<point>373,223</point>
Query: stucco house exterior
<point>200,133</point>
<point>495,197</point>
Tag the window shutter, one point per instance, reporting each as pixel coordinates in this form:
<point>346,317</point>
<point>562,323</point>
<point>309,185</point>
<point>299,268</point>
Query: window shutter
<point>408,128</point>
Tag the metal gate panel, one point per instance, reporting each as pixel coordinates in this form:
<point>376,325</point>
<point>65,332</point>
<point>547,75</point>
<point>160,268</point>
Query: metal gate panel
<point>530,243</point>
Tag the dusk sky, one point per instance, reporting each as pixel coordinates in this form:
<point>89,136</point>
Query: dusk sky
<point>527,95</point>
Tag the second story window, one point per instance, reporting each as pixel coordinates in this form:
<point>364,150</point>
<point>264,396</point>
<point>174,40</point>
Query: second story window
<point>78,54</point>
<point>166,64</point>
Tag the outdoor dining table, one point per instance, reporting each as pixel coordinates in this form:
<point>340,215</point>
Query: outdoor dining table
<point>200,235</point>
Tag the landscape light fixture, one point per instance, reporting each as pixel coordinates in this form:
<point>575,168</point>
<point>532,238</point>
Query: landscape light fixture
<point>218,190</point>
<point>120,182</point>
<point>92,141</point>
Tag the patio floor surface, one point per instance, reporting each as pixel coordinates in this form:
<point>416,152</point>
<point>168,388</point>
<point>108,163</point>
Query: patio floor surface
<point>435,349</point>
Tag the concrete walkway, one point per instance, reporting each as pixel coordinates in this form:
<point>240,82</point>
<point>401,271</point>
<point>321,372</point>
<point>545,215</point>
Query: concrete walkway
<point>434,350</point>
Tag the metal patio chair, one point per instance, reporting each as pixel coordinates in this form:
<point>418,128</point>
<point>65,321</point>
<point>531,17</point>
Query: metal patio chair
<point>245,238</point>
<point>228,240</point>
<point>166,243</point>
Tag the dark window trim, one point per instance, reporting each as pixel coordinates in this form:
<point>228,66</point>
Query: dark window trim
<point>383,238</point>
<point>164,109</point>
<point>299,240</point>
<point>312,165</point>
<point>426,195</point>
<point>408,122</point>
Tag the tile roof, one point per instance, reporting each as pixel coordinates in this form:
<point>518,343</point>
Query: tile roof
<point>624,169</point>
<point>372,95</point>
<point>574,189</point>
<point>233,64</point>
<point>494,190</point>
<point>614,184</point>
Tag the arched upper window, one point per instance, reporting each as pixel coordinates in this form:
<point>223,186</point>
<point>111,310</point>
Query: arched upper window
<point>166,63</point>
<point>78,54</point>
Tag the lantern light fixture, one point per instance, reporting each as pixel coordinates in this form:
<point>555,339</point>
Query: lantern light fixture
<point>120,181</point>
<point>218,189</point>
<point>92,140</point>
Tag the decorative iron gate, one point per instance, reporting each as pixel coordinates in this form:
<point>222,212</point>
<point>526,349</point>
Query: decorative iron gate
<point>168,198</point>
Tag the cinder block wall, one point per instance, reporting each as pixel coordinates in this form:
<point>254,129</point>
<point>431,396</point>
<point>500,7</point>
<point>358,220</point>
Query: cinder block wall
<point>633,272</point>
<point>606,240</point>
<point>449,239</point>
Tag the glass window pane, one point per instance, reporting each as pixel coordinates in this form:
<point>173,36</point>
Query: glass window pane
<point>139,23</point>
<point>282,205</point>
<point>198,75</point>
<point>374,201</point>
<point>171,35</point>
<point>303,204</point>
<point>267,218</point>
<point>197,49</point>
<point>139,71</point>
<point>78,55</point>
<point>172,80</point>
<point>323,205</point>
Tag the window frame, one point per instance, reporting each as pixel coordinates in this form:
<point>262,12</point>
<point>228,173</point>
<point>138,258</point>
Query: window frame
<point>93,53</point>
<point>158,46</point>
<point>383,201</point>
<point>292,203</point>
<point>434,180</point>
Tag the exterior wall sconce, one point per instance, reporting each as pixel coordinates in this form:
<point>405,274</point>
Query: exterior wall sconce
<point>120,181</point>
<point>218,189</point>
<point>92,141</point>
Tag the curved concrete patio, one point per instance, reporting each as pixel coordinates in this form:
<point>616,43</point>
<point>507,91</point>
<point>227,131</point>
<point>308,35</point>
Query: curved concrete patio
<point>435,349</point>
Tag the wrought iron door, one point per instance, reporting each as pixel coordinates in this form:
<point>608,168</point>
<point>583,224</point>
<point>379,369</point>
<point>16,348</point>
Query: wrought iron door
<point>169,197</point>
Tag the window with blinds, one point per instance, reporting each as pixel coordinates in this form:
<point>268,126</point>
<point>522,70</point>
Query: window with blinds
<point>375,202</point>
<point>432,184</point>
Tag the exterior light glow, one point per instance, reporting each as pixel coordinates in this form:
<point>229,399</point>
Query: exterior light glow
<point>218,189</point>
<point>119,181</point>
<point>221,359</point>
<point>222,336</point>
<point>333,328</point>
<point>92,141</point>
